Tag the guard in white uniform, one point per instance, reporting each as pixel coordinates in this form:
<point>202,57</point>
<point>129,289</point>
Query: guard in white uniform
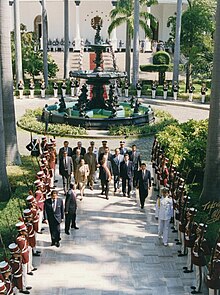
<point>164,215</point>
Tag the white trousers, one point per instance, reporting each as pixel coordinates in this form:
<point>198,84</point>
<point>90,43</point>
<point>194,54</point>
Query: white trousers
<point>175,95</point>
<point>119,92</point>
<point>153,94</point>
<point>138,93</point>
<point>41,215</point>
<point>182,242</point>
<point>64,92</point>
<point>126,92</point>
<point>72,91</point>
<point>199,280</point>
<point>76,91</point>
<point>190,96</point>
<point>165,95</point>
<point>31,94</point>
<point>189,258</point>
<point>24,275</point>
<point>43,93</point>
<point>203,98</point>
<point>213,292</point>
<point>29,265</point>
<point>21,92</point>
<point>163,229</point>
<point>55,92</point>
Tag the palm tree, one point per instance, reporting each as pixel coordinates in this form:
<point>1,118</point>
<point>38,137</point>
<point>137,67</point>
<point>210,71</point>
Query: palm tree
<point>45,38</point>
<point>123,13</point>
<point>135,75</point>
<point>176,59</point>
<point>4,184</point>
<point>211,182</point>
<point>18,55</point>
<point>66,38</point>
<point>10,134</point>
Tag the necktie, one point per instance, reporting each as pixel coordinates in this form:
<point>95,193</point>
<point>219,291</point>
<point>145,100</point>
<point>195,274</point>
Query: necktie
<point>53,205</point>
<point>65,164</point>
<point>143,174</point>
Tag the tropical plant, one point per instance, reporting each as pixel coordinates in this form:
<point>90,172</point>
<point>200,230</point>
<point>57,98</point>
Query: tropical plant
<point>198,25</point>
<point>211,183</point>
<point>123,13</point>
<point>32,58</point>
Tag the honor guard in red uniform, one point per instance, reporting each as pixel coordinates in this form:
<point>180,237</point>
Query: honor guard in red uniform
<point>28,220</point>
<point>16,266</point>
<point>22,243</point>
<point>5,270</point>
<point>190,237</point>
<point>200,250</point>
<point>40,197</point>
<point>213,278</point>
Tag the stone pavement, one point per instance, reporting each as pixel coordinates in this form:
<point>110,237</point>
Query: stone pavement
<point>116,251</point>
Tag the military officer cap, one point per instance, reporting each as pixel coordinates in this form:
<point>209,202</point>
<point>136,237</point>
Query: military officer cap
<point>27,213</point>
<point>104,141</point>
<point>30,199</point>
<point>13,248</point>
<point>192,211</point>
<point>2,287</point>
<point>20,226</point>
<point>4,267</point>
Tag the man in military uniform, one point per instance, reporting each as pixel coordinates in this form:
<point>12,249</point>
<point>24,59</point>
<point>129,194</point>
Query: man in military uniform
<point>31,88</point>
<point>165,89</point>
<point>175,89</point>
<point>213,277</point>
<point>63,88</point>
<point>153,89</point>
<point>5,270</point>
<point>42,88</point>
<point>138,89</point>
<point>55,89</point>
<point>200,250</point>
<point>21,89</point>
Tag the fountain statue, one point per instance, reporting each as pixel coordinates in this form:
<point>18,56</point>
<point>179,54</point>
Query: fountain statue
<point>96,107</point>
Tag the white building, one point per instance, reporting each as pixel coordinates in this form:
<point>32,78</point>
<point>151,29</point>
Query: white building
<point>80,14</point>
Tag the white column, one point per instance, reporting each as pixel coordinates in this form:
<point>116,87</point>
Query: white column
<point>77,38</point>
<point>147,47</point>
<point>113,37</point>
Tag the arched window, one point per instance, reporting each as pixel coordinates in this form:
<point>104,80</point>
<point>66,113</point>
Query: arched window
<point>38,26</point>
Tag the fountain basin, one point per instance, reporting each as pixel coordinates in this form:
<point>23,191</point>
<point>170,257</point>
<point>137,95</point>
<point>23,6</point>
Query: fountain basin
<point>71,116</point>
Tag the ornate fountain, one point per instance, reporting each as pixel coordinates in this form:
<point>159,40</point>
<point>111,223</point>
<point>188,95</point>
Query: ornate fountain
<point>97,109</point>
<point>98,78</point>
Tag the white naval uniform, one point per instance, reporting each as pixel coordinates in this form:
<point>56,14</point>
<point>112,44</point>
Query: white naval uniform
<point>164,215</point>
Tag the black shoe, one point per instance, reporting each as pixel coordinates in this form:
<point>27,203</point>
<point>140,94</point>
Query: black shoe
<point>142,207</point>
<point>196,292</point>
<point>178,243</point>
<point>75,227</point>
<point>181,255</point>
<point>34,269</point>
<point>57,244</point>
<point>176,240</point>
<point>28,288</point>
<point>128,196</point>
<point>53,244</point>
<point>55,181</point>
<point>193,287</point>
<point>102,193</point>
<point>124,195</point>
<point>187,271</point>
<point>30,273</point>
<point>172,227</point>
<point>115,190</point>
<point>36,254</point>
<point>39,232</point>
<point>185,267</point>
<point>174,231</point>
<point>38,251</point>
<point>107,197</point>
<point>67,233</point>
<point>24,291</point>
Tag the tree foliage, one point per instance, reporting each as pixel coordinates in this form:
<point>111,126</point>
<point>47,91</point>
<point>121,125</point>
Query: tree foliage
<point>32,57</point>
<point>185,146</point>
<point>198,25</point>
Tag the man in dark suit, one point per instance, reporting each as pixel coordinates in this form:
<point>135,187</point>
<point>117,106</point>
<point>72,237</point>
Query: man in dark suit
<point>123,150</point>
<point>65,170</point>
<point>106,153</point>
<point>70,209</point>
<point>65,148</point>
<point>135,157</point>
<point>105,175</point>
<point>79,146</point>
<point>143,183</point>
<point>117,158</point>
<point>126,173</point>
<point>54,213</point>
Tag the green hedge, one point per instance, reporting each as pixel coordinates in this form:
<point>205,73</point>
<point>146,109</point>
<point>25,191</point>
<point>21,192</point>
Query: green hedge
<point>154,68</point>
<point>31,121</point>
<point>161,57</point>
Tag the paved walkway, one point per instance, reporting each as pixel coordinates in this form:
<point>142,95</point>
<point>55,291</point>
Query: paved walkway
<point>116,251</point>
